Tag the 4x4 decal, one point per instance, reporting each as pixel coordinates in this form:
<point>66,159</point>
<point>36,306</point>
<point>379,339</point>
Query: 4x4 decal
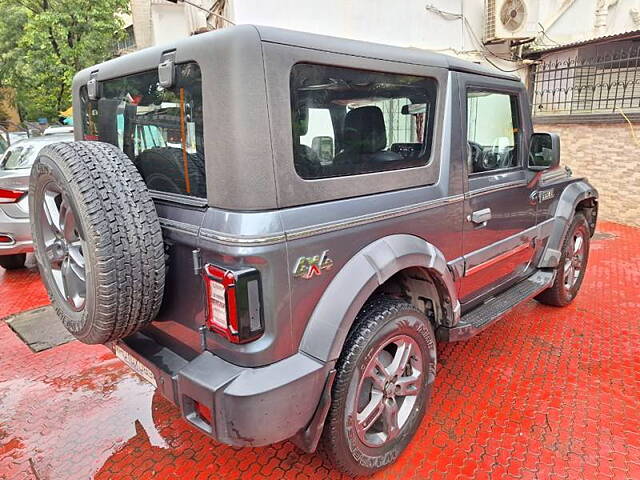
<point>307,267</point>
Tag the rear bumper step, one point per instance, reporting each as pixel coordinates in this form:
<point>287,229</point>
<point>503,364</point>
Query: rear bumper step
<point>481,317</point>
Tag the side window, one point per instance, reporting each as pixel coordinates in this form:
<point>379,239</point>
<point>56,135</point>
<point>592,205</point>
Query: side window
<point>349,122</point>
<point>492,131</point>
<point>160,129</point>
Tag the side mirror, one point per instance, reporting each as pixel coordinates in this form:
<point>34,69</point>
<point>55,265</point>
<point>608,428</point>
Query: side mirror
<point>544,151</point>
<point>323,147</point>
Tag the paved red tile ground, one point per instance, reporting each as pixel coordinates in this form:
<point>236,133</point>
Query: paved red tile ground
<point>546,393</point>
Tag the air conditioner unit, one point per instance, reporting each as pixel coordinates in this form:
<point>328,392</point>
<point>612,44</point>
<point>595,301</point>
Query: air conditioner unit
<point>510,20</point>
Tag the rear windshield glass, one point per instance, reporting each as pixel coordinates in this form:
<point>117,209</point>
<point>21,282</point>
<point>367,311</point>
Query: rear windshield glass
<point>160,129</point>
<point>348,122</point>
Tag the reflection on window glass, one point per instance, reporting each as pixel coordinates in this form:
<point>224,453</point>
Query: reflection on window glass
<point>348,122</point>
<point>492,131</point>
<point>19,157</point>
<point>160,129</point>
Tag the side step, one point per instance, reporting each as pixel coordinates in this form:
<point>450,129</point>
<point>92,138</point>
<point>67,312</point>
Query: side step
<point>476,320</point>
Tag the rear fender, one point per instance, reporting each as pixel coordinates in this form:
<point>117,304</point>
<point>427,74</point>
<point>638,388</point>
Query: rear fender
<point>334,314</point>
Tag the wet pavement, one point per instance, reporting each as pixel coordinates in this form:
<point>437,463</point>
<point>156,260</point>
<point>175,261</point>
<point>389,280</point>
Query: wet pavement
<point>545,393</point>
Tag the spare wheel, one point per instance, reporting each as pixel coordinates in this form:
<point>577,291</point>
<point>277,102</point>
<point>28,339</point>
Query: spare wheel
<point>97,240</point>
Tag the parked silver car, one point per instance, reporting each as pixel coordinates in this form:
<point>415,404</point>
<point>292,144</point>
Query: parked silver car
<point>15,167</point>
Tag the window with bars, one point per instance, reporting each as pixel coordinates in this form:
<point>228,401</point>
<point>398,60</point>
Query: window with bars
<point>593,80</point>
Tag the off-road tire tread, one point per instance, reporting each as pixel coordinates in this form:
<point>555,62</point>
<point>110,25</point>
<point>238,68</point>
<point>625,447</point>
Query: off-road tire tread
<point>555,295</point>
<point>125,233</point>
<point>374,313</point>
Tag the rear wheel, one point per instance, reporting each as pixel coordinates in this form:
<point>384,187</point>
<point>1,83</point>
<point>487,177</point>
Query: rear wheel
<point>13,262</point>
<point>382,387</point>
<point>572,266</point>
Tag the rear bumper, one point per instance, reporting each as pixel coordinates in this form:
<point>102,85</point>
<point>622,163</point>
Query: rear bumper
<point>250,406</point>
<point>19,230</point>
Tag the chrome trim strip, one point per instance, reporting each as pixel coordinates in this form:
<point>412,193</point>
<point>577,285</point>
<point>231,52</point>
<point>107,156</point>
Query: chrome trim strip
<point>237,240</point>
<point>297,234</point>
<point>497,258</point>
<point>371,218</point>
<point>495,188</point>
<point>180,227</point>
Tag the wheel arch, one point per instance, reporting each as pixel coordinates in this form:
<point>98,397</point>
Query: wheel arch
<point>575,196</point>
<point>375,267</point>
<point>579,196</point>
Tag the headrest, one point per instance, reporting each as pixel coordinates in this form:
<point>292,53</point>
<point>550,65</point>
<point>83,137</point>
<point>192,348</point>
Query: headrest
<point>364,130</point>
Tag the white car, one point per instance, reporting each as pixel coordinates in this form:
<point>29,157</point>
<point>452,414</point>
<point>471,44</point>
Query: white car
<point>58,129</point>
<point>15,168</point>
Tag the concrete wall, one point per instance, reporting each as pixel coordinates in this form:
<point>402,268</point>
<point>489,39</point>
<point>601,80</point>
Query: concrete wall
<point>157,21</point>
<point>607,154</point>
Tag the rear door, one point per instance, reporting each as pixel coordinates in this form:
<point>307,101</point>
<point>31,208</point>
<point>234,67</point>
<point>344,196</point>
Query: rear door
<point>161,130</point>
<point>500,219</point>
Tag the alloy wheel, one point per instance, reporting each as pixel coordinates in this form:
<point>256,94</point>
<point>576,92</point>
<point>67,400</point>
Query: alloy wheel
<point>63,246</point>
<point>574,260</point>
<point>388,390</point>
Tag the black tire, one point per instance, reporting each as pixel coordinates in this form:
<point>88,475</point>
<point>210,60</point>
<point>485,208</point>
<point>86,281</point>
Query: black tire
<point>13,262</point>
<point>120,238</point>
<point>381,320</point>
<point>560,294</point>
<point>163,170</point>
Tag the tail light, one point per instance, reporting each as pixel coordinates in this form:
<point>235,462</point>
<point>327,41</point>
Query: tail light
<point>234,303</point>
<point>4,238</point>
<point>11,196</point>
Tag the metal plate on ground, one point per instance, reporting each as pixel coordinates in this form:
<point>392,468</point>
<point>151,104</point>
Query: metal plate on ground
<point>134,364</point>
<point>40,329</point>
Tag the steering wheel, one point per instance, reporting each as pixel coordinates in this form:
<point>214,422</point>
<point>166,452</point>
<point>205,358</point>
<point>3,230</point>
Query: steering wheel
<point>491,159</point>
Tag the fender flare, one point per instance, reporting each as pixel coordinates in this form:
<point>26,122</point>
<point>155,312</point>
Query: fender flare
<point>336,310</point>
<point>573,194</point>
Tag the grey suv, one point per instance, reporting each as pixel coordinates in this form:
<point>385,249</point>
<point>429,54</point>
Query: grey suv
<point>275,228</point>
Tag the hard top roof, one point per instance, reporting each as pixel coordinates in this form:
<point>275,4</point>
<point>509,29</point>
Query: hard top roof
<point>416,56</point>
<point>380,51</point>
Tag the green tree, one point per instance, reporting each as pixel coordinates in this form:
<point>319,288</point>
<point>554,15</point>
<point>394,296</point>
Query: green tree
<point>43,43</point>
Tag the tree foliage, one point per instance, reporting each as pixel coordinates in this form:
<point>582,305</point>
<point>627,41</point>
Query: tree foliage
<point>43,43</point>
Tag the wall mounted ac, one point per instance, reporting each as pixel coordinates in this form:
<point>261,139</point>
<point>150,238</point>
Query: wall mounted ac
<point>510,20</point>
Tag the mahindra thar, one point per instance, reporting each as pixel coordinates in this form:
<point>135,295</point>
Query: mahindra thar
<point>276,228</point>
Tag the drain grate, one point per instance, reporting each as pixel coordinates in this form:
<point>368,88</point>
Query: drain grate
<point>40,329</point>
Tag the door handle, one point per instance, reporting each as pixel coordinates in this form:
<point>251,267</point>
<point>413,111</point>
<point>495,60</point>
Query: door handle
<point>480,217</point>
